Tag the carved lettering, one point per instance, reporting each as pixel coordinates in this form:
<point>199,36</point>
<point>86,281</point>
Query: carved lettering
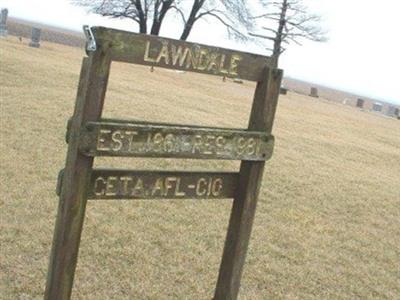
<point>212,62</point>
<point>157,141</point>
<point>99,186</point>
<point>234,64</point>
<point>179,193</point>
<point>241,145</point>
<point>197,144</point>
<point>168,184</point>
<point>149,141</point>
<point>110,186</point>
<point>163,54</point>
<point>146,53</point>
<point>251,146</point>
<point>157,186</point>
<point>138,190</point>
<point>117,142</point>
<point>202,59</point>
<point>125,181</point>
<point>191,60</point>
<point>101,140</point>
<point>208,144</point>
<point>169,143</point>
<point>220,143</point>
<point>209,187</point>
<point>201,187</point>
<point>130,135</point>
<point>221,65</point>
<point>217,187</point>
<point>178,55</point>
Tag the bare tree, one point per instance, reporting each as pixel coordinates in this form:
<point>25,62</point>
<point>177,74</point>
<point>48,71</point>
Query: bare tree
<point>288,21</point>
<point>233,14</point>
<point>140,11</point>
<point>159,11</point>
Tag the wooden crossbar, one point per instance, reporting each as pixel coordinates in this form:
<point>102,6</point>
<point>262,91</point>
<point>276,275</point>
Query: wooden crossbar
<point>180,55</point>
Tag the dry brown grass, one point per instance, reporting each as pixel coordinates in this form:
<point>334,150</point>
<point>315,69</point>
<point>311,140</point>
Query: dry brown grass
<point>327,224</point>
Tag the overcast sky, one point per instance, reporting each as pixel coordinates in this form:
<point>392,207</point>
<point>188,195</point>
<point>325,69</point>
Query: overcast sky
<point>362,55</point>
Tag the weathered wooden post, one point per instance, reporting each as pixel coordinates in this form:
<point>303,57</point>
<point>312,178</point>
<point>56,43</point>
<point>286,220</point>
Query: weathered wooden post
<point>89,135</point>
<point>71,210</point>
<point>245,200</point>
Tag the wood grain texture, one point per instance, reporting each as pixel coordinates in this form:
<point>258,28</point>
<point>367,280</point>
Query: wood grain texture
<point>154,140</point>
<point>180,55</point>
<point>245,200</point>
<point>71,210</point>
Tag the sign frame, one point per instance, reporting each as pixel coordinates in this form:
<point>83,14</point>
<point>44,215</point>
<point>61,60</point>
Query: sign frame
<point>106,45</point>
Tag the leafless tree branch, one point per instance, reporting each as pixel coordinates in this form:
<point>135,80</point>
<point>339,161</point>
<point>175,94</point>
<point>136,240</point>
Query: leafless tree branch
<point>232,14</point>
<point>293,23</point>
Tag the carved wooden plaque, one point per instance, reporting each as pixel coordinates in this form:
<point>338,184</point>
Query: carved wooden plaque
<point>180,55</point>
<point>154,140</point>
<point>128,184</point>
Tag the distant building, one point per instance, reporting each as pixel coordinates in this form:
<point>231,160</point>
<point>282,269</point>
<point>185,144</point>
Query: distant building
<point>360,103</point>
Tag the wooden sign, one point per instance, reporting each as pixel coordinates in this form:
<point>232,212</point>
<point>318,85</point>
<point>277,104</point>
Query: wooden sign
<point>126,184</point>
<point>180,55</point>
<point>88,136</point>
<point>152,140</point>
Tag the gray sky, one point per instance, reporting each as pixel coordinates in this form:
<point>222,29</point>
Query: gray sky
<point>362,55</point>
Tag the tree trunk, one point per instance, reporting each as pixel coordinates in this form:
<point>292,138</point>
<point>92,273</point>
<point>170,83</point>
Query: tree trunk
<point>186,31</point>
<point>159,16</point>
<point>142,17</point>
<point>155,28</point>
<point>143,27</point>
<point>197,4</point>
<point>278,40</point>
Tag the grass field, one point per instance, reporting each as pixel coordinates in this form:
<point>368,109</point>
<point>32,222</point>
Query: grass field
<point>328,219</point>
